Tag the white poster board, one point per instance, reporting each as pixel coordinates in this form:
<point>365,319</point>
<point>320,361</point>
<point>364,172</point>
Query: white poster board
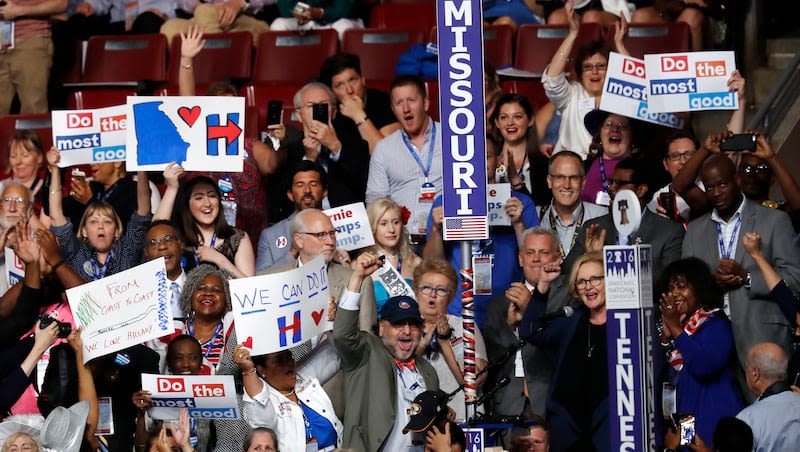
<point>625,92</point>
<point>352,226</point>
<point>498,194</point>
<point>690,81</point>
<point>202,133</point>
<point>205,396</point>
<point>276,312</point>
<point>15,268</point>
<point>123,309</point>
<point>90,136</point>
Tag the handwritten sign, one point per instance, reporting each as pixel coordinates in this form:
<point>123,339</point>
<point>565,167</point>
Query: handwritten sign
<point>275,312</point>
<point>625,92</point>
<point>205,396</point>
<point>15,268</point>
<point>202,133</point>
<point>690,81</point>
<point>498,195</point>
<point>393,281</point>
<point>123,309</point>
<point>352,226</point>
<point>90,136</point>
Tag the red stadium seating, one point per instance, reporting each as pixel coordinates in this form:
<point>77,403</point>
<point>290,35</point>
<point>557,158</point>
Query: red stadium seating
<point>536,44</point>
<point>225,56</point>
<point>406,15</point>
<point>380,49</point>
<point>645,39</point>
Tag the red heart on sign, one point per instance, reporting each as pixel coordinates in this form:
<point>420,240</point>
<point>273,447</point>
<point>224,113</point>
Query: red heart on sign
<point>249,342</point>
<point>189,115</point>
<point>317,315</point>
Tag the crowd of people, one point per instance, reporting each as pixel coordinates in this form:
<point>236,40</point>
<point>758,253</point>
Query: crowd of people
<point>390,375</point>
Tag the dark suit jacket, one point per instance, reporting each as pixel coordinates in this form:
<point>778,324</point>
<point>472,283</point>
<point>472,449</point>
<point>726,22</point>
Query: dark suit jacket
<point>371,389</point>
<point>755,316</point>
<point>538,362</point>
<point>664,236</point>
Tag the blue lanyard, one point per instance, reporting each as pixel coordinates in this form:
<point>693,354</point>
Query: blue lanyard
<point>724,252</point>
<point>414,154</point>
<point>197,260</point>
<point>190,327</point>
<point>602,166</point>
<point>97,269</point>
<point>108,193</point>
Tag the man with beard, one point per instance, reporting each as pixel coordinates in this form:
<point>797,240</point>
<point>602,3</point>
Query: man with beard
<point>309,184</point>
<point>383,374</point>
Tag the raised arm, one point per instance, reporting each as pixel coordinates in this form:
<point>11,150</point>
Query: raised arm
<point>561,57</point>
<point>56,209</point>
<point>736,84</point>
<point>172,175</point>
<point>192,43</point>
<point>349,341</point>
<point>789,187</point>
<point>142,194</point>
<point>86,388</point>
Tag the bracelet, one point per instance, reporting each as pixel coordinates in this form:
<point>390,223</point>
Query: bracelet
<point>187,66</point>
<point>565,57</point>
<point>249,372</point>
<point>446,336</point>
<point>59,264</point>
<point>55,192</point>
<point>360,123</point>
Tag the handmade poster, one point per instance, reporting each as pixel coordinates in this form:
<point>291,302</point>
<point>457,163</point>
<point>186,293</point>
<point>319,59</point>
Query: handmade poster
<point>15,268</point>
<point>123,309</point>
<point>353,230</point>
<point>393,281</point>
<point>90,136</point>
<point>690,81</point>
<point>202,133</point>
<point>205,396</point>
<point>277,312</point>
<point>498,195</point>
<point>625,92</point>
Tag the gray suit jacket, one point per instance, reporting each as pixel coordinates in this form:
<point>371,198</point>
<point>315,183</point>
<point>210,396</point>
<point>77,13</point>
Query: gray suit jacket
<point>371,388</point>
<point>274,245</point>
<point>755,316</point>
<point>538,362</point>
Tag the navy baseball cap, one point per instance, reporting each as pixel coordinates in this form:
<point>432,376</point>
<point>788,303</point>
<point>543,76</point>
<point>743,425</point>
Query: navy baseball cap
<point>403,307</point>
<point>428,407</point>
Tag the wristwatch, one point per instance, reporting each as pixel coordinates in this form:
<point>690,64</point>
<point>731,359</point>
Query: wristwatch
<point>747,281</point>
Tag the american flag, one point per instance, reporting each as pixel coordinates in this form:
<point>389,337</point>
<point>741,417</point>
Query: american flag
<point>466,228</point>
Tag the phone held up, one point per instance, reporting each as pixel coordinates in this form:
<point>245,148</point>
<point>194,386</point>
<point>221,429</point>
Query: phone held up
<point>739,142</point>
<point>320,112</point>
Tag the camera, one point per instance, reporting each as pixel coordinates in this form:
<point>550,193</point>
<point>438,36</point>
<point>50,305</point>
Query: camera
<point>64,328</point>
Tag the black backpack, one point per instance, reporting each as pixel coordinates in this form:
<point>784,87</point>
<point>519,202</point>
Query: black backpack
<point>60,385</point>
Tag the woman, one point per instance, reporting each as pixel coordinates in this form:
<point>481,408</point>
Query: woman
<point>443,341</point>
<point>290,400</point>
<point>613,142</point>
<point>103,247</point>
<point>391,240</point>
<point>577,407</point>
<point>202,223</point>
<point>524,166</point>
<point>206,297</point>
<point>699,342</point>
<point>261,439</point>
<point>25,158</point>
<point>575,99</point>
<point>20,442</point>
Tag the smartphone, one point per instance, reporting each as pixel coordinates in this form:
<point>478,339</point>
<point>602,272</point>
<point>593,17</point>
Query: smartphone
<point>300,8</point>
<point>739,142</point>
<point>797,379</point>
<point>687,429</point>
<point>78,175</point>
<point>667,201</point>
<point>320,112</point>
<point>274,109</point>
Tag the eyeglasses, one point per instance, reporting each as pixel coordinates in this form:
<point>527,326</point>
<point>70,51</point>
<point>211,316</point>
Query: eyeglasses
<point>321,236</point>
<point>616,125</point>
<point>594,281</point>
<point>590,67</point>
<point>210,289</point>
<point>439,291</point>
<point>16,201</point>
<point>413,324</point>
<point>619,182</point>
<point>761,168</point>
<point>561,178</point>
<point>166,240</point>
<point>675,156</point>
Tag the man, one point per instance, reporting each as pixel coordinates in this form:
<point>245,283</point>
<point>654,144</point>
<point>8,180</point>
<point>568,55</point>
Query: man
<point>364,113</point>
<point>26,64</point>
<point>528,368</point>
<point>681,146</point>
<point>217,16</point>
<point>309,185</point>
<point>383,375</point>
<point>535,438</point>
<point>714,238</point>
<point>346,162</point>
<point>407,165</point>
<point>567,213</point>
<point>775,416</point>
<point>664,236</point>
<point>501,246</point>
<point>334,14</point>
<point>120,16</point>
<point>162,239</point>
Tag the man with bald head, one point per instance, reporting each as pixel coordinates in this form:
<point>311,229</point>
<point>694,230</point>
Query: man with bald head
<point>716,238</point>
<point>775,416</point>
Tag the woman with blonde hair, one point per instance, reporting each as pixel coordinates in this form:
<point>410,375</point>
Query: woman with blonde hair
<point>387,221</point>
<point>20,442</point>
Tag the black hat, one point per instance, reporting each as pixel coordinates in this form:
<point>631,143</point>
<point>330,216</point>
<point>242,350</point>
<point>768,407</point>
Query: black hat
<point>427,408</point>
<point>594,120</point>
<point>401,308</point>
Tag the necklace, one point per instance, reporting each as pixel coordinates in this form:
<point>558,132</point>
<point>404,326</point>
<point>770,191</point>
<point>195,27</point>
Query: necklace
<point>589,345</point>
<point>287,394</point>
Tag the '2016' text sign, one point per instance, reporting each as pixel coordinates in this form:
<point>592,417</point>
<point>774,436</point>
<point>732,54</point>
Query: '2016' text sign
<point>204,396</point>
<point>123,309</point>
<point>277,312</point>
<point>90,136</point>
<point>690,81</point>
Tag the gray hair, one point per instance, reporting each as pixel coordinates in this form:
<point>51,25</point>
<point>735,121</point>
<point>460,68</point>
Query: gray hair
<point>195,278</point>
<point>28,195</point>
<point>298,222</point>
<point>773,366</point>
<point>248,440</point>
<point>298,96</point>
<point>538,230</point>
<point>567,154</point>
